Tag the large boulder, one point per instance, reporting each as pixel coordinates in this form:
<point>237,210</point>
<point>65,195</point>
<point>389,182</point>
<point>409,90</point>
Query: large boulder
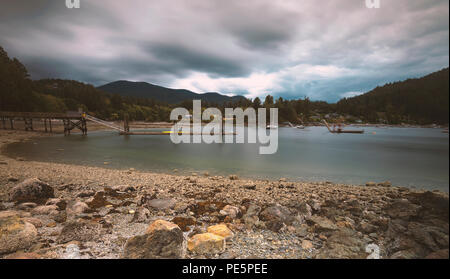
<point>31,190</point>
<point>162,240</point>
<point>275,216</point>
<point>15,233</point>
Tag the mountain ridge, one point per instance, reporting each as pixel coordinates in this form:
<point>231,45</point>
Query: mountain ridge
<point>143,89</point>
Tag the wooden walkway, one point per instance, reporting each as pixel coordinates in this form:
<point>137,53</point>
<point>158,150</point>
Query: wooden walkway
<point>71,120</point>
<point>74,120</point>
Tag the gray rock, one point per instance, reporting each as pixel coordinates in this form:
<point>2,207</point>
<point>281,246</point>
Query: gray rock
<point>26,206</point>
<point>385,184</point>
<point>31,190</point>
<point>251,218</point>
<point>322,224</point>
<point>124,188</point>
<point>61,217</point>
<point>141,215</point>
<point>304,209</point>
<point>72,252</point>
<point>250,186</point>
<point>343,244</point>
<point>231,211</point>
<point>86,194</point>
<point>161,240</point>
<point>76,208</point>
<point>161,204</point>
<point>405,254</point>
<point>60,203</point>
<point>403,209</point>
<point>276,216</point>
<point>426,235</point>
<point>441,254</point>
<point>432,203</point>
<point>50,210</point>
<point>366,227</point>
<point>79,231</point>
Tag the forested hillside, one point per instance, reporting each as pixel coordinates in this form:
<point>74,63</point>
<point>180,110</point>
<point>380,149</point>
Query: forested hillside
<point>416,101</point>
<point>423,100</point>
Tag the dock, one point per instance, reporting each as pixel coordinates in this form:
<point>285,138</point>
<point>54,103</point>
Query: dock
<point>75,120</point>
<point>340,131</point>
<point>71,120</point>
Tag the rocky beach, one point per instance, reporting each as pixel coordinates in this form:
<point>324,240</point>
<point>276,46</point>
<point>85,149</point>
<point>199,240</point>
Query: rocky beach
<point>50,210</point>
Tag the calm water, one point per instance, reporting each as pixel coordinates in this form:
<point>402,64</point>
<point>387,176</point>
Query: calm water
<point>411,157</point>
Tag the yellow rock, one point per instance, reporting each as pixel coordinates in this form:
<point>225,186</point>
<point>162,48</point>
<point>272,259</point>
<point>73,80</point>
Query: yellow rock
<point>15,233</point>
<point>221,230</point>
<point>161,225</point>
<point>206,243</point>
<point>307,245</point>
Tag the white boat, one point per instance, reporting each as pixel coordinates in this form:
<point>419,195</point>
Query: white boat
<point>271,127</point>
<point>300,127</point>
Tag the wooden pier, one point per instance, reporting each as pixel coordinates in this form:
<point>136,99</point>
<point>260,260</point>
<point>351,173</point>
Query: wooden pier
<point>74,120</point>
<point>71,120</point>
<point>340,131</point>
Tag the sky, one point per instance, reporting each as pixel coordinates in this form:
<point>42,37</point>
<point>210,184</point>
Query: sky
<point>324,50</point>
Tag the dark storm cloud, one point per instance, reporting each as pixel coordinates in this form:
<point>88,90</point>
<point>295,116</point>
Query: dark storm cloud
<point>258,24</point>
<point>179,57</point>
<point>287,48</point>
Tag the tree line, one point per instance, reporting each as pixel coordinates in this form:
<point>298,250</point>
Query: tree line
<point>419,101</point>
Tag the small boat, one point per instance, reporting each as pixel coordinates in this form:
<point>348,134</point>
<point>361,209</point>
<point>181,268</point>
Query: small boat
<point>271,127</point>
<point>300,127</point>
<point>341,131</point>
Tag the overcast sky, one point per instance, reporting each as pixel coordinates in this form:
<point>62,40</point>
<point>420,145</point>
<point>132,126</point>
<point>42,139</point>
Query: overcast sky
<point>323,49</point>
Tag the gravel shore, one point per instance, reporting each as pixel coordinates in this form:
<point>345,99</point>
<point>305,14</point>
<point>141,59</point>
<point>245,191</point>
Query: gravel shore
<point>92,212</point>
